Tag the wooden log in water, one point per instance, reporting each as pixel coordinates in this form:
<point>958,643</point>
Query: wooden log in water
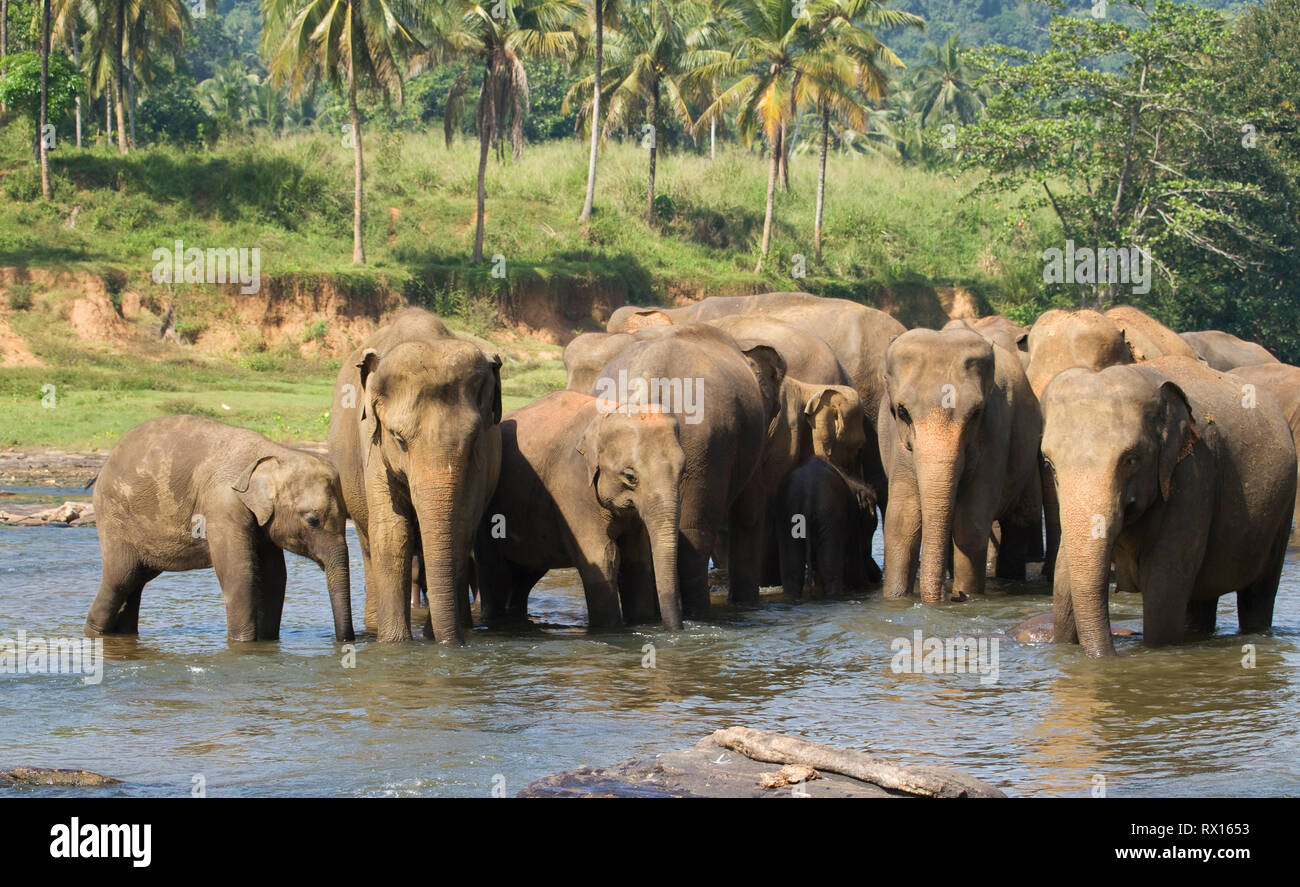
<point>776,748</point>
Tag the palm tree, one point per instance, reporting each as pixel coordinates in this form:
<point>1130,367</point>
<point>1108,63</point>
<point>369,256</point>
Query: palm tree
<point>943,86</point>
<point>656,45</point>
<point>154,29</point>
<point>776,55</point>
<point>527,29</point>
<point>45,100</point>
<point>598,13</point>
<point>346,43</point>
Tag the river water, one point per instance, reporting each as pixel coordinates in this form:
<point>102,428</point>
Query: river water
<point>179,707</point>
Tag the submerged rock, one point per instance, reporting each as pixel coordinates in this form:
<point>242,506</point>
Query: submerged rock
<point>49,776</point>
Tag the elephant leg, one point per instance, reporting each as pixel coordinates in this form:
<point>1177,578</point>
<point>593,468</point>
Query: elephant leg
<point>388,583</point>
<point>1255,601</point>
<point>271,579</point>
<point>970,556</point>
<point>694,547</point>
<point>746,539</point>
<point>636,580</point>
<point>828,554</point>
<point>902,546</point>
<point>116,608</point>
<point>1014,550</point>
<point>371,617</point>
<point>417,579</point>
<point>1202,616</point>
<point>237,564</point>
<point>1064,629</point>
<point>600,584</point>
<point>792,554</point>
<point>1051,520</point>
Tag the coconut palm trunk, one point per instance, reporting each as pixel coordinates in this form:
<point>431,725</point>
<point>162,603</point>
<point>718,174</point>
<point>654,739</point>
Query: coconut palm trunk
<point>358,167</point>
<point>4,40</point>
<point>487,116</point>
<point>76,61</point>
<point>119,77</point>
<point>783,172</point>
<point>654,150</point>
<point>130,88</point>
<point>771,198</point>
<point>43,143</point>
<point>821,182</point>
<point>589,205</point>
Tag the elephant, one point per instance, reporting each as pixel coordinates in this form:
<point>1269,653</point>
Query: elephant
<point>1224,351</point>
<point>586,355</point>
<point>414,434</point>
<point>1162,468</point>
<point>724,400</point>
<point>1060,339</point>
<point>820,514</point>
<point>1147,337</point>
<point>584,485</point>
<point>962,430</point>
<point>1000,331</point>
<point>185,493</point>
<point>857,335</point>
<point>1282,381</point>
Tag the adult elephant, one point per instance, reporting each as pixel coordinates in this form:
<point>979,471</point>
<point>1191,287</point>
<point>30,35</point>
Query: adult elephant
<point>724,400</point>
<point>413,432</point>
<point>1282,381</point>
<point>999,330</point>
<point>184,493</point>
<point>962,430</point>
<point>1148,337</point>
<point>1060,340</point>
<point>586,355</point>
<point>1151,463</point>
<point>857,335</point>
<point>1224,351</point>
<point>583,486</point>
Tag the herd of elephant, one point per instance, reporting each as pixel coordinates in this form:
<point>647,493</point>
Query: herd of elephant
<point>1087,441</point>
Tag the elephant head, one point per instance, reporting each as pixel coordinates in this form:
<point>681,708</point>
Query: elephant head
<point>297,502</point>
<point>835,426</point>
<point>431,446</point>
<point>1060,340</point>
<point>635,461</point>
<point>1112,439</point>
<point>937,384</point>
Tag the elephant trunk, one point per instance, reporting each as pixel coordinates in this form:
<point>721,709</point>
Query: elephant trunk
<point>1081,604</point>
<point>937,476</point>
<point>443,510</point>
<point>338,581</point>
<point>661,525</point>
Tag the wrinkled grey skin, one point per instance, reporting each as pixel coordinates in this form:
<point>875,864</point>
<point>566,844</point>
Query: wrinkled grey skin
<point>1282,381</point>
<point>820,514</point>
<point>586,355</point>
<point>962,429</point>
<point>722,451</point>
<point>1161,468</point>
<point>857,335</point>
<point>1224,351</point>
<point>184,493</point>
<point>413,431</point>
<point>582,487</point>
<point>1147,337</point>
<point>1000,331</point>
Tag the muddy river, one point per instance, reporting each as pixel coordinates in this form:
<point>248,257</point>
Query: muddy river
<point>178,707</point>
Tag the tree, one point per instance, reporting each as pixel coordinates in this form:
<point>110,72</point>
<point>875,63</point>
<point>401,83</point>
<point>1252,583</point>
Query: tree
<point>773,48</point>
<point>1131,137</point>
<point>498,36</point>
<point>20,89</point>
<point>347,44</point>
<point>41,140</point>
<point>944,88</point>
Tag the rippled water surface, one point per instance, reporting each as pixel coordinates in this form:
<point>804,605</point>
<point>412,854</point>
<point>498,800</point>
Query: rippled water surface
<point>286,718</point>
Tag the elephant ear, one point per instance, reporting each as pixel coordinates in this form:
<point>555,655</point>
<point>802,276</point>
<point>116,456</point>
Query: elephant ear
<point>493,396</point>
<point>1126,347</point>
<point>1022,341</point>
<point>589,447</point>
<point>769,368</point>
<point>1177,437</point>
<point>256,489</point>
<point>823,399</point>
<point>369,419</point>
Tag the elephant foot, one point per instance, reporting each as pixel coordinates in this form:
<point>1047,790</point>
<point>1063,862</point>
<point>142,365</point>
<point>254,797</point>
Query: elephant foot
<point>959,597</point>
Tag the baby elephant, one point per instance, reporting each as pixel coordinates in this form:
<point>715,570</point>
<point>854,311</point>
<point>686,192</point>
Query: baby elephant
<point>824,513</point>
<point>184,493</point>
<point>583,486</point>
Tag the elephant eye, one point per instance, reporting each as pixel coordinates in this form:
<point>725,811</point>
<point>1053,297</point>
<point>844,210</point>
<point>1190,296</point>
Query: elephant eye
<point>312,519</point>
<point>629,477</point>
<point>904,416</point>
<point>401,441</point>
